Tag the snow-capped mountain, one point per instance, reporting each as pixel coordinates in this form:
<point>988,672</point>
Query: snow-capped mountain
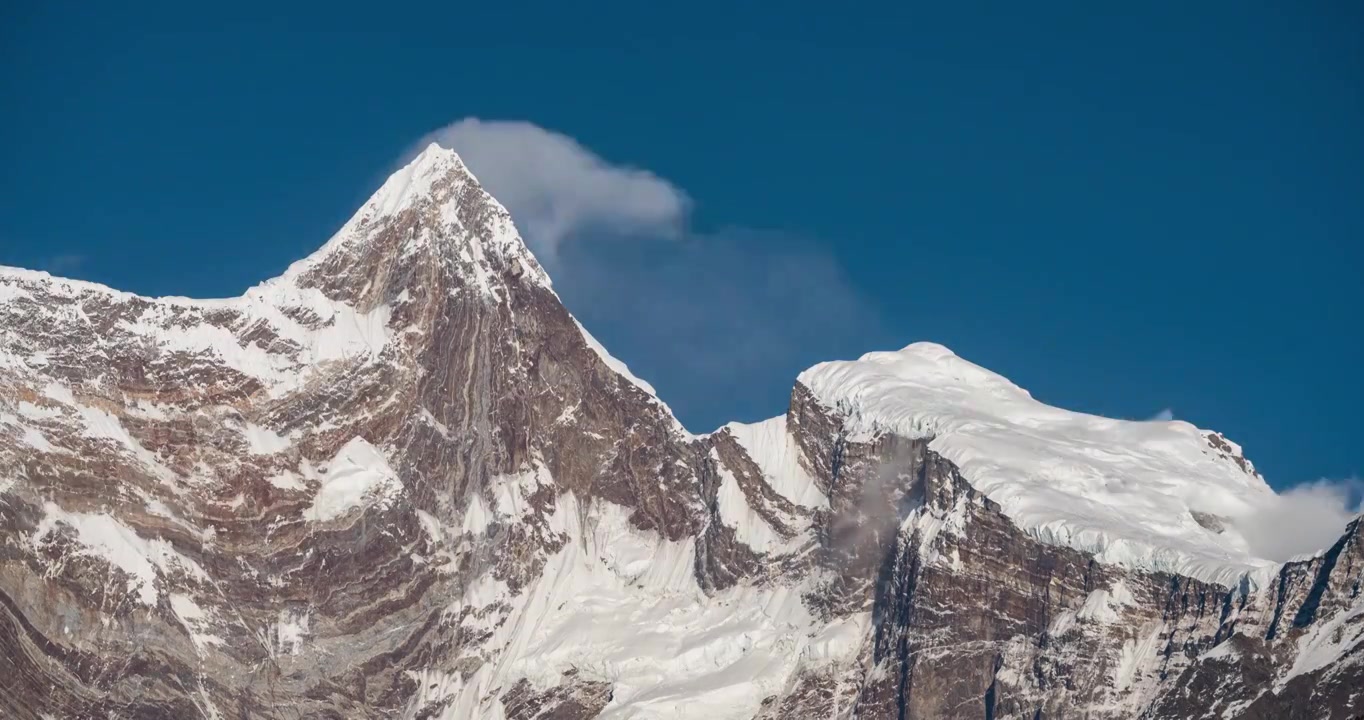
<point>402,481</point>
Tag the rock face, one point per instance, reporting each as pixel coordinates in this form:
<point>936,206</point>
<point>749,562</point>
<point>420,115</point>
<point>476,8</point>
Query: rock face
<point>401,481</point>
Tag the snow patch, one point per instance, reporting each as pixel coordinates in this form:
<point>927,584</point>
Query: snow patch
<point>1328,641</point>
<point>477,517</point>
<point>776,453</point>
<point>511,494</point>
<point>1136,654</point>
<point>263,440</point>
<point>35,439</point>
<point>358,475</point>
<point>194,620</point>
<point>438,425</point>
<point>100,425</point>
<point>287,480</point>
<point>735,512</point>
<point>1225,650</point>
<point>1105,606</point>
<point>291,630</point>
<point>838,640</point>
<point>103,536</point>
<point>41,412</point>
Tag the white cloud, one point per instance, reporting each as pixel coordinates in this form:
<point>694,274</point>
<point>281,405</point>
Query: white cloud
<point>1165,415</point>
<point>555,188</point>
<point>1304,519</point>
<point>734,312</point>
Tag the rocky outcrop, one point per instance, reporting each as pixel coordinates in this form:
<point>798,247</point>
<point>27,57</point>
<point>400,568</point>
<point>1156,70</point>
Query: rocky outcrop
<point>974,618</point>
<point>401,481</point>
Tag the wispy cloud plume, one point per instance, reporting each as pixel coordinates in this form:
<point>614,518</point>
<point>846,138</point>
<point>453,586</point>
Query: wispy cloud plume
<point>719,320</point>
<point>1303,519</point>
<point>555,188</point>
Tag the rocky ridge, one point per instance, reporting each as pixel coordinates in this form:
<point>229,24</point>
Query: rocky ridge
<point>402,481</point>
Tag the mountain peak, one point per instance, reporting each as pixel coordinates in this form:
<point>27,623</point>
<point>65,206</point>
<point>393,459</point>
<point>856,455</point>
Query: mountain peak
<point>403,481</point>
<point>1042,463</point>
<point>434,148</point>
<point>417,177</point>
<point>431,210</point>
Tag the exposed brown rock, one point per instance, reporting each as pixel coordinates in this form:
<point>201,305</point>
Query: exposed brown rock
<point>485,395</point>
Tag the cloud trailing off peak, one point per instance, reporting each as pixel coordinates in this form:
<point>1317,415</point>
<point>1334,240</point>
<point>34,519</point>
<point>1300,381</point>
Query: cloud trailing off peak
<point>557,189</point>
<point>1303,519</point>
<point>732,311</point>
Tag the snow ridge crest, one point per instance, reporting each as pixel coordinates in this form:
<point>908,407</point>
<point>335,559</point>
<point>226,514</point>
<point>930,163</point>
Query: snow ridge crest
<point>1136,493</point>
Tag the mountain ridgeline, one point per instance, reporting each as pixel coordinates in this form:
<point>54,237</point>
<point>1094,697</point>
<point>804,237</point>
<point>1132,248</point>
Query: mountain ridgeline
<point>401,481</point>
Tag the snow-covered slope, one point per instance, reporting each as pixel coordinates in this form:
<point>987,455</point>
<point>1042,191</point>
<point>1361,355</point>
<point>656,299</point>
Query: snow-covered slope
<point>770,445</point>
<point>401,480</point>
<point>1131,492</point>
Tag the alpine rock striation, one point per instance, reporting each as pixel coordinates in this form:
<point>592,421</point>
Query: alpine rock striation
<point>402,481</point>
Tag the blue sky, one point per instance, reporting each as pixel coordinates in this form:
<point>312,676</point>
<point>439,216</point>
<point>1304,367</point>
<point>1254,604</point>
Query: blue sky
<point>1124,211</point>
